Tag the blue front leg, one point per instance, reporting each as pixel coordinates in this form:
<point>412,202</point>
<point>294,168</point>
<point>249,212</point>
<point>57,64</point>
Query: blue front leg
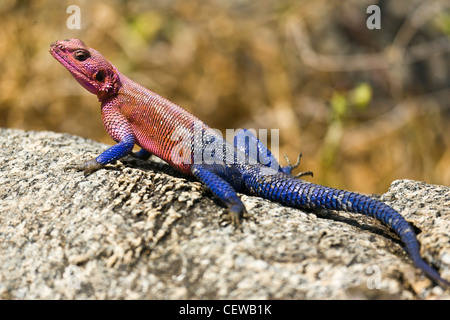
<point>117,151</point>
<point>114,153</point>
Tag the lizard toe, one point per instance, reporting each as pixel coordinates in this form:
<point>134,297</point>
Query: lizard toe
<point>234,216</point>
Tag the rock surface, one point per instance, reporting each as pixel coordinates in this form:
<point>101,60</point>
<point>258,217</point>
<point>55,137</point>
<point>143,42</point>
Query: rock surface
<point>141,230</point>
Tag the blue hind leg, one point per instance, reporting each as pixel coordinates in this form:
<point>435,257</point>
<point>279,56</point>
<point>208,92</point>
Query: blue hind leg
<point>254,150</point>
<point>246,142</point>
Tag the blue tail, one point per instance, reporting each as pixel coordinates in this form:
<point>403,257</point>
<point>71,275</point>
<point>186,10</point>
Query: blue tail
<point>294,192</point>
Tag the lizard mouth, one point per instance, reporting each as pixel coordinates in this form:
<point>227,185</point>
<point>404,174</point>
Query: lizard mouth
<point>57,50</point>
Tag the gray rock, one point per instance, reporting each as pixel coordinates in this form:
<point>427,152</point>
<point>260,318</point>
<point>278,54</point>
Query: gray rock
<point>141,230</point>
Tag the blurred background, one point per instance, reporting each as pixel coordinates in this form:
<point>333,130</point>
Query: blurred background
<point>365,107</point>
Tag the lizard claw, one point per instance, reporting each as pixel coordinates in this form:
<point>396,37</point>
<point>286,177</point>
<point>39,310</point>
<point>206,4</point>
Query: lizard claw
<point>304,173</point>
<point>288,169</point>
<point>234,217</point>
<point>296,164</point>
<point>87,168</point>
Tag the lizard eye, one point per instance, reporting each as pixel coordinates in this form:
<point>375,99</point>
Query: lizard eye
<point>100,76</point>
<point>80,55</point>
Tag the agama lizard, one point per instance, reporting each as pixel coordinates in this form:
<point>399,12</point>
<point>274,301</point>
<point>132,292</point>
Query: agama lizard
<point>134,115</point>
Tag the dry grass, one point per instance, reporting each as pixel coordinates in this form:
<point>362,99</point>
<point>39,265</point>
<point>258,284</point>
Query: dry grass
<point>364,107</point>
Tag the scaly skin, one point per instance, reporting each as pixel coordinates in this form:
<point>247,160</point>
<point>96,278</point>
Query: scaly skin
<point>134,115</point>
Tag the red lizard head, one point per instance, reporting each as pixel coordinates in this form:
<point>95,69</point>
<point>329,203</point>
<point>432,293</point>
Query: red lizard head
<point>87,66</point>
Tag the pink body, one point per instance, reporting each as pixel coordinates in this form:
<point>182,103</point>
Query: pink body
<point>154,121</point>
<point>159,126</point>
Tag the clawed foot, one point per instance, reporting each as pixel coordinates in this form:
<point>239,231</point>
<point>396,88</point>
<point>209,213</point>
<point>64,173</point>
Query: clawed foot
<point>234,217</point>
<point>288,169</point>
<point>87,168</point>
